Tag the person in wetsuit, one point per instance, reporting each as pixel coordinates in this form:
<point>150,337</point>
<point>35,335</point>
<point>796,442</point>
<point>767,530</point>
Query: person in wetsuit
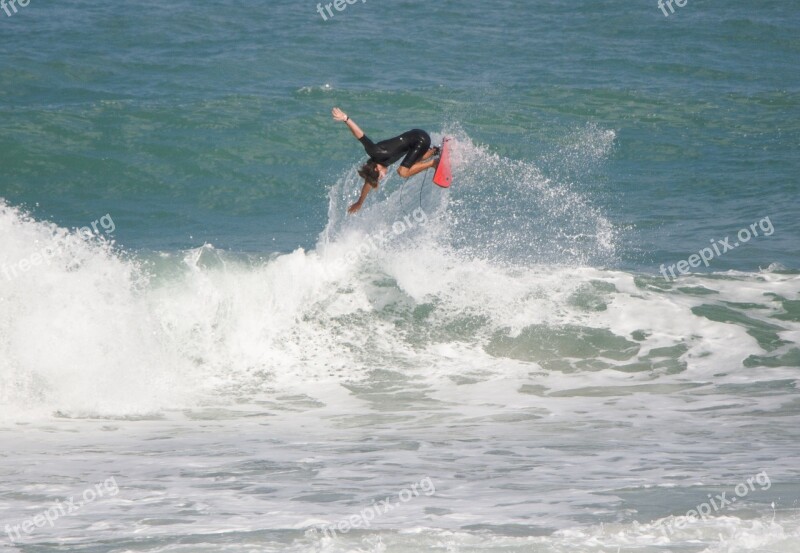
<point>415,145</point>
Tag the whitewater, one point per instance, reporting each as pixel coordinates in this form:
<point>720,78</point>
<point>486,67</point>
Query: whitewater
<point>479,345</point>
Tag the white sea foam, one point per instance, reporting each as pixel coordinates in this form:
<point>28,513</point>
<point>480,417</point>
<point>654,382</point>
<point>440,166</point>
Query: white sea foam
<point>94,331</point>
<point>553,404</point>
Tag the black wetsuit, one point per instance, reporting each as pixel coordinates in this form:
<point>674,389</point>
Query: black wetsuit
<point>413,144</point>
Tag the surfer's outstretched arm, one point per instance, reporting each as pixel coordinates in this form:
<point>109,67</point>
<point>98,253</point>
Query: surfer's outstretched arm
<point>364,191</point>
<point>339,115</point>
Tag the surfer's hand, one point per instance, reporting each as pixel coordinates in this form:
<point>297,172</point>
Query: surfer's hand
<point>353,208</point>
<point>339,115</point>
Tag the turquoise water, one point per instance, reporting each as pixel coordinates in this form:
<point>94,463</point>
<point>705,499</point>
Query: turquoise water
<point>197,124</point>
<point>252,366</point>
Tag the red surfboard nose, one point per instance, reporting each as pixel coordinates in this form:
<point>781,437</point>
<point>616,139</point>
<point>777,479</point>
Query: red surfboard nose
<point>443,177</point>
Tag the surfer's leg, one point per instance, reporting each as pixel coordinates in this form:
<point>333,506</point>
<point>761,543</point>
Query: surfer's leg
<point>412,163</point>
<point>407,172</point>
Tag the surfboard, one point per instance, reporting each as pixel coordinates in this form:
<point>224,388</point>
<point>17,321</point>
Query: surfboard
<point>443,177</point>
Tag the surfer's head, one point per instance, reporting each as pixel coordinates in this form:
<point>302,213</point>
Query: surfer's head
<point>370,173</point>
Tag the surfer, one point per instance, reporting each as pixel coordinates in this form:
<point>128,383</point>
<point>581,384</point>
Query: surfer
<point>415,145</point>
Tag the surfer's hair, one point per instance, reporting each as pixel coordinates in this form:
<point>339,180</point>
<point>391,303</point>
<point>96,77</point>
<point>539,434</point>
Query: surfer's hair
<point>369,172</point>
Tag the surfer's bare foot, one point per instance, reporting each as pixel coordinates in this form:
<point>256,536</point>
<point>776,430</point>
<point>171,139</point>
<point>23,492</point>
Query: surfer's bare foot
<point>433,152</point>
<point>353,208</point>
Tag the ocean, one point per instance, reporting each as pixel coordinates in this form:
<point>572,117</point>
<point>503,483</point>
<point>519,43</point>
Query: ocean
<point>590,343</point>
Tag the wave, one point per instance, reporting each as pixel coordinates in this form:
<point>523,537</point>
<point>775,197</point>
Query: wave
<point>493,278</point>
<point>716,534</point>
<point>501,210</point>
